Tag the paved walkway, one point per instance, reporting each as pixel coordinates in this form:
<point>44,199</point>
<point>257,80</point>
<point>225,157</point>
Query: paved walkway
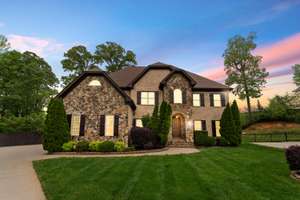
<point>281,145</point>
<point>18,179</point>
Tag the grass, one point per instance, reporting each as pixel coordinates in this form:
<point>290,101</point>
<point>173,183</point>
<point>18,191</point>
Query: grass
<point>246,172</point>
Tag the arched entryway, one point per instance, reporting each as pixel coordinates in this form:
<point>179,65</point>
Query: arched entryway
<point>178,126</point>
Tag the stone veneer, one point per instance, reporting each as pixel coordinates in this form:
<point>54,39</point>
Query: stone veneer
<point>93,101</point>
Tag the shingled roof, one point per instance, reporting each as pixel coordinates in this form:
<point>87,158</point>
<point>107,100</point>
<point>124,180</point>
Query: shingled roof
<point>127,77</point>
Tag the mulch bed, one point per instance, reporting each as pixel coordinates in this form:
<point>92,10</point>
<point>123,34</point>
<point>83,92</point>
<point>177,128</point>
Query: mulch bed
<point>112,153</point>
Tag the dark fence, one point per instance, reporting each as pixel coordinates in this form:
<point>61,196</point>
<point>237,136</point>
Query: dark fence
<point>271,137</point>
<point>19,139</point>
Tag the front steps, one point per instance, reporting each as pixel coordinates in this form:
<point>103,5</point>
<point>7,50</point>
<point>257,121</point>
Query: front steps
<point>180,143</point>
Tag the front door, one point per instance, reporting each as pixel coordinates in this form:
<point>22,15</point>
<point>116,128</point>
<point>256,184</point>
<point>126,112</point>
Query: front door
<point>176,126</point>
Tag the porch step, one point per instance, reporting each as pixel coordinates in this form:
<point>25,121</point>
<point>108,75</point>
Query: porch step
<point>181,145</point>
<point>176,142</point>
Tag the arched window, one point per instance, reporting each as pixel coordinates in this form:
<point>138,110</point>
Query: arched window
<point>177,96</point>
<point>94,83</point>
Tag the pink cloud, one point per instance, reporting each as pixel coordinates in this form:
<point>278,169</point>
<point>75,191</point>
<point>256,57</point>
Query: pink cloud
<point>40,46</point>
<point>283,53</point>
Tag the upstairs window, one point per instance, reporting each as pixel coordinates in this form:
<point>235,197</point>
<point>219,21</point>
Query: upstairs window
<point>198,99</point>
<point>94,83</point>
<point>177,93</point>
<point>147,98</point>
<point>217,100</point>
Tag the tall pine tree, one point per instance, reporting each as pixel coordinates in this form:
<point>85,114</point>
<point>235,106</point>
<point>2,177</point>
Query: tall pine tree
<point>228,129</point>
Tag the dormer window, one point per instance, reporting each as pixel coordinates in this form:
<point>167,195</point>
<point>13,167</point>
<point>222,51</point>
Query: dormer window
<point>177,96</point>
<point>94,83</point>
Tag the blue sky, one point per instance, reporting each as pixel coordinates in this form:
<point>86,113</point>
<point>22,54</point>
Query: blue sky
<point>189,34</point>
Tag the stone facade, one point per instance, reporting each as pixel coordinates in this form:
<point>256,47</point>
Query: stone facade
<point>93,101</point>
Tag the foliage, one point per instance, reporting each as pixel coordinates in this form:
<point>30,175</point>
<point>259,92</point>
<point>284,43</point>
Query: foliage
<point>69,146</point>
<point>143,138</point>
<point>165,112</point>
<point>237,119</point>
<point>228,129</point>
<point>114,56</point>
<point>33,123</point>
<point>296,76</point>
<point>154,123</point>
<point>146,119</point>
<point>78,59</point>
<point>82,146</point>
<point>259,106</point>
<point>26,83</point>
<point>4,45</point>
<point>201,138</point>
<point>56,126</point>
<point>278,108</point>
<point>243,69</point>
<point>119,146</point>
<point>293,157</point>
<point>93,145</point>
<point>222,142</point>
<point>106,146</point>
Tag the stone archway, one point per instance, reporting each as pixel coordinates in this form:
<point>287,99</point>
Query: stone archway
<point>178,126</point>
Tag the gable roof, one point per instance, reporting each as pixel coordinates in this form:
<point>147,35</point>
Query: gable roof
<point>128,76</point>
<point>77,80</point>
<point>177,71</point>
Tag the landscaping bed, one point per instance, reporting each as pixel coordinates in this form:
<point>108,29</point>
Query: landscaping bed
<point>253,172</point>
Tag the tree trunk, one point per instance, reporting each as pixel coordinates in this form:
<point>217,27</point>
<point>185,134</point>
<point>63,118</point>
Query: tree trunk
<point>247,93</point>
<point>249,108</point>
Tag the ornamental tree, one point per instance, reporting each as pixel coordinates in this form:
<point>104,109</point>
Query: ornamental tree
<point>237,119</point>
<point>228,130</point>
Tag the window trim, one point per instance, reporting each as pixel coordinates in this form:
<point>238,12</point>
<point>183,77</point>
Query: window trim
<point>174,96</point>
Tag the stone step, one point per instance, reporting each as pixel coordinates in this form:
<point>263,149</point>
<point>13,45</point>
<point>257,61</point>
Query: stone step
<point>181,145</point>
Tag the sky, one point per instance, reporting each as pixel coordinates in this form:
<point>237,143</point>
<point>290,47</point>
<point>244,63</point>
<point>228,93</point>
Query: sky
<point>189,34</point>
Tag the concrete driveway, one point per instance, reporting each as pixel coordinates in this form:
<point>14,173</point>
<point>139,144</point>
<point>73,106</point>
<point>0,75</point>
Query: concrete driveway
<point>18,179</point>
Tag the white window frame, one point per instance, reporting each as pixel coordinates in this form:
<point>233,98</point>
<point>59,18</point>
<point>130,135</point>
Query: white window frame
<point>138,123</point>
<point>217,100</point>
<point>75,125</point>
<point>177,96</point>
<point>196,100</point>
<point>218,126</point>
<point>148,98</point>
<point>198,125</point>
<point>109,128</point>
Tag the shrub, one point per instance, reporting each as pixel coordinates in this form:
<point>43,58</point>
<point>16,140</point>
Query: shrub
<point>221,141</point>
<point>82,146</point>
<point>119,146</point>
<point>146,120</point>
<point>69,146</point>
<point>143,138</point>
<point>93,145</point>
<point>293,157</point>
<point>56,126</point>
<point>106,146</point>
<point>228,129</point>
<point>201,138</point>
<point>237,119</point>
<point>165,112</point>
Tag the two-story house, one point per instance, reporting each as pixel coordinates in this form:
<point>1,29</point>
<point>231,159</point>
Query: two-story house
<point>102,105</point>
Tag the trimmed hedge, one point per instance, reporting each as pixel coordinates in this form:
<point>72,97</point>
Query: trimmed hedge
<point>143,138</point>
<point>82,146</point>
<point>106,146</point>
<point>201,138</point>
<point>293,157</point>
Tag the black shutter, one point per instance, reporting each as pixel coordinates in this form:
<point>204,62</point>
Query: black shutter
<point>69,119</point>
<point>138,98</point>
<point>116,126</point>
<point>171,96</point>
<point>202,100</point>
<point>82,124</point>
<point>156,97</point>
<point>184,100</point>
<point>213,127</point>
<point>134,122</point>
<point>203,124</point>
<point>223,100</point>
<point>102,125</point>
<point>211,98</point>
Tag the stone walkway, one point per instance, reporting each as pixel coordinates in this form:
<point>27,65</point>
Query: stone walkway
<point>281,145</point>
<point>18,179</point>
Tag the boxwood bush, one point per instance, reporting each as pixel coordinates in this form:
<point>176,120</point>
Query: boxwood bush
<point>106,146</point>
<point>82,146</point>
<point>201,138</point>
<point>69,146</point>
<point>293,157</point>
<point>119,146</point>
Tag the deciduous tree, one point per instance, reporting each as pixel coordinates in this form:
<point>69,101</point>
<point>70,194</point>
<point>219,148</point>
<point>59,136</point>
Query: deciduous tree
<point>296,76</point>
<point>4,45</point>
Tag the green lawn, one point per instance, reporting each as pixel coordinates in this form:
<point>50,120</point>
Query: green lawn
<point>246,172</point>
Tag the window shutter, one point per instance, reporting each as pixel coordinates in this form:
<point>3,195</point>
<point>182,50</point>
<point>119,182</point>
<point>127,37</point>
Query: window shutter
<point>156,97</point>
<point>211,98</point>
<point>184,100</point>
<point>82,124</point>
<point>213,127</point>
<point>203,124</point>
<point>69,118</point>
<point>171,96</point>
<point>138,98</point>
<point>223,100</point>
<point>202,104</point>
<point>134,122</point>
<point>102,125</point>
<point>116,126</point>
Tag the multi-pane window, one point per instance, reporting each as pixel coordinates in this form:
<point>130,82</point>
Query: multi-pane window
<point>198,125</point>
<point>138,123</point>
<point>147,98</point>
<point>217,100</point>
<point>218,129</point>
<point>109,125</point>
<point>177,96</point>
<point>75,125</point>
